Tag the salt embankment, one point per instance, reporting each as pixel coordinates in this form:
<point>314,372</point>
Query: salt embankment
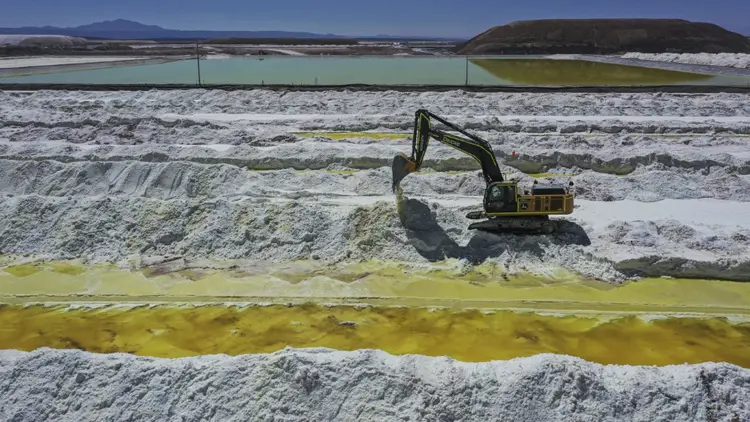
<point>737,60</point>
<point>322,384</point>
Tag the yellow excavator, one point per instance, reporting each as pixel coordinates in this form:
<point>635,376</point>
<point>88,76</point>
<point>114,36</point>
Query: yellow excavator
<point>506,210</point>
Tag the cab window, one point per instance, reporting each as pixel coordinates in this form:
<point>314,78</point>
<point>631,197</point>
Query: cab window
<point>501,194</point>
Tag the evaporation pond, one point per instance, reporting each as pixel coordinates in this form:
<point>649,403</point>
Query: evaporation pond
<point>418,70</point>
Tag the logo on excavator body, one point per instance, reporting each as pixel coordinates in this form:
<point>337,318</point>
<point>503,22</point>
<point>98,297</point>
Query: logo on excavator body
<point>452,142</point>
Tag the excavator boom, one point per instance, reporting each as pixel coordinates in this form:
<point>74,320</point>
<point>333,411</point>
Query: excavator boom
<point>472,145</point>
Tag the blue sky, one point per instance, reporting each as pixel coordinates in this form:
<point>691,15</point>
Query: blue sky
<point>397,17</point>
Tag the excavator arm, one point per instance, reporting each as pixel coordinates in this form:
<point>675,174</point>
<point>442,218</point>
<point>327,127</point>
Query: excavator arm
<point>472,145</point>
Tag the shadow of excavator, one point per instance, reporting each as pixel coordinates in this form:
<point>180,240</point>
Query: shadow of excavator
<point>433,243</point>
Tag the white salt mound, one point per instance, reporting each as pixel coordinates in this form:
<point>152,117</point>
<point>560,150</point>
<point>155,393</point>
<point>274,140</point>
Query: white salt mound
<point>322,384</point>
<point>737,60</point>
<point>42,40</point>
<point>23,62</point>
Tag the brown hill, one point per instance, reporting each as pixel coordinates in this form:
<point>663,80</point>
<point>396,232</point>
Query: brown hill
<point>605,36</point>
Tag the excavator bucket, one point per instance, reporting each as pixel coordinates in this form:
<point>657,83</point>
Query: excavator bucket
<point>401,167</point>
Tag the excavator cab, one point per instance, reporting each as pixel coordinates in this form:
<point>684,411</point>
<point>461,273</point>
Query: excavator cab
<point>501,197</point>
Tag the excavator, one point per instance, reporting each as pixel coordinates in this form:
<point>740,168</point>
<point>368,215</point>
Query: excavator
<point>506,210</point>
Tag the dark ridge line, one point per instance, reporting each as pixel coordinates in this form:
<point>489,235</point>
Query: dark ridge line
<point>685,89</point>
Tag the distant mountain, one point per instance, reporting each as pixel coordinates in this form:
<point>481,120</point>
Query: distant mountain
<point>120,25</point>
<point>120,29</point>
<point>125,29</point>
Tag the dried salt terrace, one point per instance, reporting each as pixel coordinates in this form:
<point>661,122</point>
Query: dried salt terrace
<point>249,221</point>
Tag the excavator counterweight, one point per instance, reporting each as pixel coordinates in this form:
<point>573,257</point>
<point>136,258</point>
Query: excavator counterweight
<point>505,209</point>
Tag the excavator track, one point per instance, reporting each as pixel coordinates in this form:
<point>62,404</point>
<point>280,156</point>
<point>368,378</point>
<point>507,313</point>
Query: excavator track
<point>514,225</point>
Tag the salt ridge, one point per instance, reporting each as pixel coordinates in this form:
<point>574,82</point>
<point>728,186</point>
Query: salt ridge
<point>322,384</point>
